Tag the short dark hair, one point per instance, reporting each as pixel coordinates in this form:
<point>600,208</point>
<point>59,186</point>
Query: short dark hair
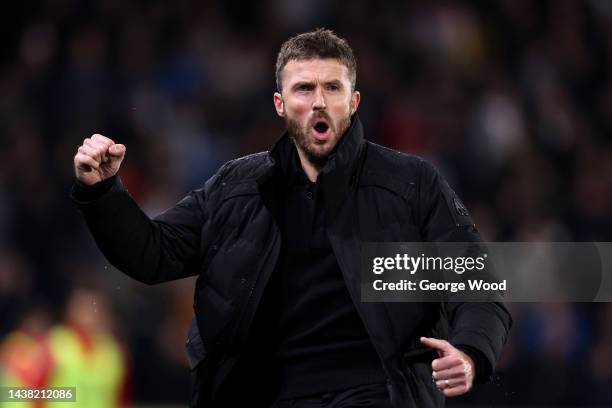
<point>320,43</point>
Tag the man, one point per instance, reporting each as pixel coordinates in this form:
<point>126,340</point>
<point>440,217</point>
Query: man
<point>275,239</point>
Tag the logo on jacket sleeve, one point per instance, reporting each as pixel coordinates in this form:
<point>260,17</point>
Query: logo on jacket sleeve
<point>459,207</point>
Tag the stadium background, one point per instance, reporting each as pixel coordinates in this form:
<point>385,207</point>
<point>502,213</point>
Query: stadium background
<point>510,99</point>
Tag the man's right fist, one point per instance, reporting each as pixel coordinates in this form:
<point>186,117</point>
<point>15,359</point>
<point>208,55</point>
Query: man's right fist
<point>97,159</point>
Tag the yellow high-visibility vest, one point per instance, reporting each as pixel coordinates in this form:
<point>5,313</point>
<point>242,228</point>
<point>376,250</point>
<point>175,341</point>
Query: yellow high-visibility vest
<point>97,371</point>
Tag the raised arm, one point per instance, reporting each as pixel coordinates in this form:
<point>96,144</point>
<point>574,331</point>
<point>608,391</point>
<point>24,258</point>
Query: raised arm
<point>149,250</point>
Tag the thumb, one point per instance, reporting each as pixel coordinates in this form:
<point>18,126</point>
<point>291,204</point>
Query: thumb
<point>438,344</point>
<point>117,150</point>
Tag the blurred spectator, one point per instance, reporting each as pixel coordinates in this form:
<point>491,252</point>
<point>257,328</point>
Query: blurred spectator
<point>86,355</point>
<point>25,355</point>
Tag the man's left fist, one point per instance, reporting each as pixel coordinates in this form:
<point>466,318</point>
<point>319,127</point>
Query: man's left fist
<point>453,372</point>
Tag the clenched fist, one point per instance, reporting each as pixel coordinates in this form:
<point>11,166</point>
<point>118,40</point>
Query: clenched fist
<point>97,159</point>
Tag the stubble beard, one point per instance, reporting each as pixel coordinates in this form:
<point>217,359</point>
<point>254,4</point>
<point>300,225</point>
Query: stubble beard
<point>302,139</point>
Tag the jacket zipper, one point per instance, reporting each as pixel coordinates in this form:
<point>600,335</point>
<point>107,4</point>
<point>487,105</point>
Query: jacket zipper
<point>224,371</point>
<point>246,324</point>
<point>343,268</point>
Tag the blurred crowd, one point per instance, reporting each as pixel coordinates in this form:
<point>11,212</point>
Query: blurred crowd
<point>510,99</point>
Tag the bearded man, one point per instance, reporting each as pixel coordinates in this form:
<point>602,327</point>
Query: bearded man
<point>275,239</point>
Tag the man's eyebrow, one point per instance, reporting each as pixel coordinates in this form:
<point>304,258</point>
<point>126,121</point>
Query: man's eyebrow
<point>333,82</point>
<point>302,83</point>
<point>336,82</point>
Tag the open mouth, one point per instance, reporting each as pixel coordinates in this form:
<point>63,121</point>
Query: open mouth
<point>321,131</point>
<point>321,127</point>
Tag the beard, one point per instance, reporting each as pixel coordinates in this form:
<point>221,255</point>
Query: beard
<point>304,141</point>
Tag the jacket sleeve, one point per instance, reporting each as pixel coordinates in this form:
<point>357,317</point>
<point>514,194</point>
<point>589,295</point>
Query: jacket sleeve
<point>151,251</point>
<point>474,326</point>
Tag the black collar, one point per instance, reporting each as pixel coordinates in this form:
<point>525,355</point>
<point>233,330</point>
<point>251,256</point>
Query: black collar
<point>342,159</point>
<point>341,169</point>
<point>295,173</point>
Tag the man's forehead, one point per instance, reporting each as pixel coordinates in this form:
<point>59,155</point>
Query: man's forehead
<point>315,68</point>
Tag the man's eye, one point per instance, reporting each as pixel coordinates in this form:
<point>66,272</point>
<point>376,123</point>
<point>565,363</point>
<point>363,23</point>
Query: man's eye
<point>303,88</point>
<point>332,87</point>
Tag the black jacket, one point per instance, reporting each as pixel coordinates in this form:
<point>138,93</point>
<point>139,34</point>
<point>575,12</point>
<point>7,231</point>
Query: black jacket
<point>226,234</point>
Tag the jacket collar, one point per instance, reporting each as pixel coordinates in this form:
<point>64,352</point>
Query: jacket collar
<point>339,172</point>
<point>341,162</point>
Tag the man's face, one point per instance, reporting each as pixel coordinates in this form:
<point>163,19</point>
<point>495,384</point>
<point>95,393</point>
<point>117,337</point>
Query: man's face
<point>317,103</point>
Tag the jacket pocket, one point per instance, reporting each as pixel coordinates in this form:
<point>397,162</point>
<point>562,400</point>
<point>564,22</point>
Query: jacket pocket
<point>196,352</point>
<point>417,366</point>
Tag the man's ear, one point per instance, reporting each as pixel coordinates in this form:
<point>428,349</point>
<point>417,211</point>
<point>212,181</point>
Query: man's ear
<point>279,105</point>
<point>355,99</point>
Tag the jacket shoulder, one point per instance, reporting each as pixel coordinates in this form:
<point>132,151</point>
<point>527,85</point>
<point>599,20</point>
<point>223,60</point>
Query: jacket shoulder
<point>237,175</point>
<point>386,162</point>
<point>246,168</point>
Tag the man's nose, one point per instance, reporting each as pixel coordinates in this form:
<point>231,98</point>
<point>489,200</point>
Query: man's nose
<point>319,99</point>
